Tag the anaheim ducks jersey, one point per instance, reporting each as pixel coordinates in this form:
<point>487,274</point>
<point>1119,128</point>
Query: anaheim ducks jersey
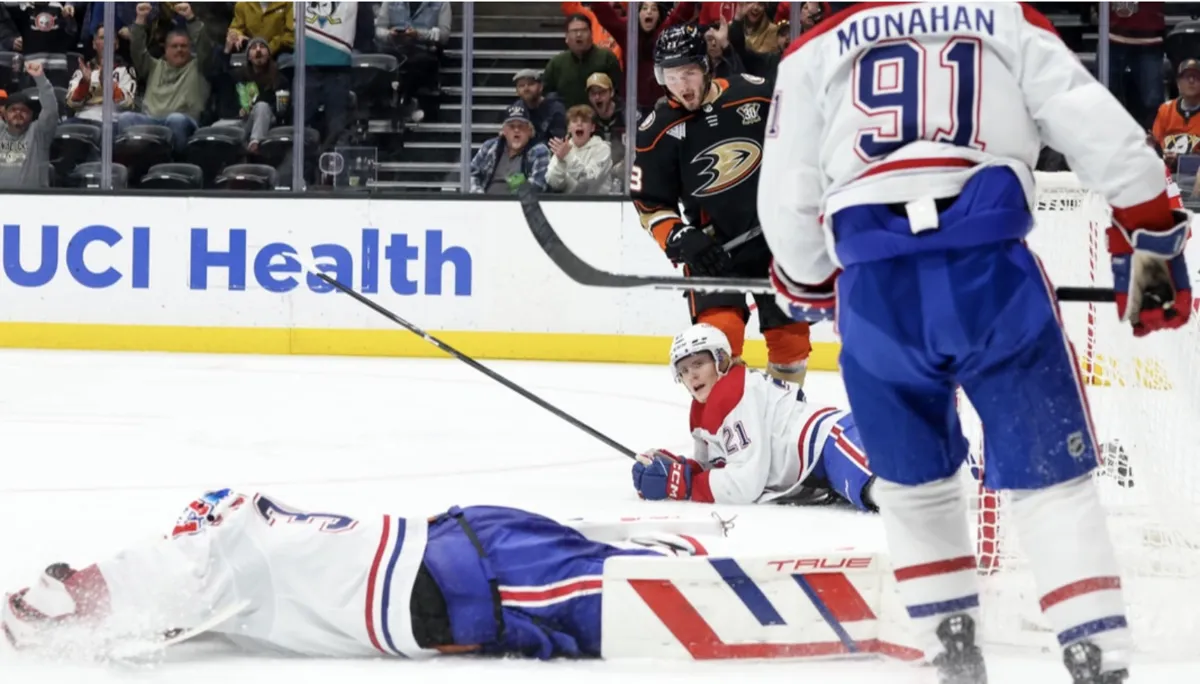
<point>1176,129</point>
<point>704,161</point>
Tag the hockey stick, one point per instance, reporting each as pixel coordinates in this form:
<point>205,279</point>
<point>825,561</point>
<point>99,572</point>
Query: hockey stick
<point>585,274</point>
<point>626,451</point>
<point>144,649</point>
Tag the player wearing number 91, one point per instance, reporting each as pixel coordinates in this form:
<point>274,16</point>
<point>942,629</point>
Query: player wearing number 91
<point>898,167</point>
<point>757,439</point>
<point>480,579</point>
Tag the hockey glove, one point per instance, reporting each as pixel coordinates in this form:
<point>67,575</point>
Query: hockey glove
<point>1150,276</point>
<point>807,303</point>
<point>62,596</point>
<point>703,255</point>
<point>659,475</point>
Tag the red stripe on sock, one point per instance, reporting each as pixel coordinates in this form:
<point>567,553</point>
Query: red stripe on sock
<point>942,567</point>
<point>1079,588</point>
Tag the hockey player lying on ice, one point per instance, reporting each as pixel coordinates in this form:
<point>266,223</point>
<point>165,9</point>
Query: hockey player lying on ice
<point>757,437</point>
<point>478,579</point>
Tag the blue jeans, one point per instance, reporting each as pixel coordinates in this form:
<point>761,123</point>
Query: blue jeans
<point>1146,92</point>
<point>182,126</point>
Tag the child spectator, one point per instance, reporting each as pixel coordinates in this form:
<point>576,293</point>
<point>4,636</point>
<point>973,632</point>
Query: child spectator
<point>25,141</point>
<point>582,164</point>
<point>1177,128</point>
<point>505,162</point>
<point>176,89</point>
<point>85,96</point>
<point>566,73</point>
<point>548,114</point>
<point>274,22</point>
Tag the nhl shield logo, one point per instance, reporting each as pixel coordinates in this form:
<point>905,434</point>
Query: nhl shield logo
<point>1075,444</point>
<point>749,113</point>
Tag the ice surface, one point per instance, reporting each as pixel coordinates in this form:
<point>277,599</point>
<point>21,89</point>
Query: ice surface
<point>98,450</point>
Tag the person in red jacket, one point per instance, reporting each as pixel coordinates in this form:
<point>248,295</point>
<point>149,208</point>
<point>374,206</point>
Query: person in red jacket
<point>650,24</point>
<point>1136,44</point>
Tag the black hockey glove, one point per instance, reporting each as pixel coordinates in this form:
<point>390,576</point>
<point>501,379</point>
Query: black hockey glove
<point>703,255</point>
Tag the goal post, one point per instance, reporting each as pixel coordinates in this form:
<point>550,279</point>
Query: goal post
<point>1145,398</point>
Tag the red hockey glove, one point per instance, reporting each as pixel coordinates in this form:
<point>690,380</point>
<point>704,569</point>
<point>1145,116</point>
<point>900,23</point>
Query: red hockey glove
<point>1153,291</point>
<point>61,596</point>
<point>807,303</point>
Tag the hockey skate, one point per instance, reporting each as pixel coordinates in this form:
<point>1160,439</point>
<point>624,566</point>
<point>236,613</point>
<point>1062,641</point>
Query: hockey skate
<point>961,662</point>
<point>1083,662</point>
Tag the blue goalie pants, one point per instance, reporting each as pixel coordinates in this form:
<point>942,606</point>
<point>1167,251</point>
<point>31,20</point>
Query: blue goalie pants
<point>916,326</point>
<point>517,582</point>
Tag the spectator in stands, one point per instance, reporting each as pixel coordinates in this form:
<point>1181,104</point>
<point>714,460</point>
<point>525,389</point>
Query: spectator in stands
<point>45,27</point>
<point>416,33</point>
<point>755,39</point>
<point>601,37</point>
<point>25,141</point>
<point>505,162</point>
<point>608,110</point>
<point>85,96</point>
<point>548,114</point>
<point>581,165</point>
<point>1177,127</point>
<point>274,22</point>
<point>703,13</point>
<point>650,24</point>
<point>567,72</point>
<point>331,31</point>
<point>124,14</point>
<point>10,36</point>
<point>725,62</point>
<point>1136,44</point>
<point>176,89</point>
<point>261,93</point>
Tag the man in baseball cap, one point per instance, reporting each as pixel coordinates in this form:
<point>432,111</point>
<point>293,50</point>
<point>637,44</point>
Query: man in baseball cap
<point>1176,127</point>
<point>505,162</point>
<point>610,111</point>
<point>548,114</point>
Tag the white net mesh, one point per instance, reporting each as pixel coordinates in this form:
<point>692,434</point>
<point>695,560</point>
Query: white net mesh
<point>1144,394</point>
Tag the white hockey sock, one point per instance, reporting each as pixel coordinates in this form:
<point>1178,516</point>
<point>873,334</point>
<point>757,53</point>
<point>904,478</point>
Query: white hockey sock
<point>1064,532</point>
<point>931,549</point>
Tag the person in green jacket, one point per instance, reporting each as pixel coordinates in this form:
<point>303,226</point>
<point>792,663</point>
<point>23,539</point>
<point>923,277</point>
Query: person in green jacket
<point>567,72</point>
<point>176,89</point>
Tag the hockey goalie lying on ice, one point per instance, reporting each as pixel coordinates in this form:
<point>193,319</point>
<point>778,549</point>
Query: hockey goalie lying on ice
<point>472,580</point>
<point>757,438</point>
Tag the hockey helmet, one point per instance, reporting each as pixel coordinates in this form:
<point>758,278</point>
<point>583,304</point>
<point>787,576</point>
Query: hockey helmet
<point>679,46</point>
<point>701,337</point>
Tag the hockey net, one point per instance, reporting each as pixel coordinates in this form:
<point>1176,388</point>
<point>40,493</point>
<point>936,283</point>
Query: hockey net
<point>1144,394</point>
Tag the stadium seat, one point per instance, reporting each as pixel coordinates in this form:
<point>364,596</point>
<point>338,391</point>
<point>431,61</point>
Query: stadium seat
<point>1183,42</point>
<point>173,177</point>
<point>277,144</point>
<point>58,70</point>
<point>213,148</point>
<point>140,147</point>
<point>74,144</point>
<point>256,177</point>
<point>87,175</point>
<point>377,84</point>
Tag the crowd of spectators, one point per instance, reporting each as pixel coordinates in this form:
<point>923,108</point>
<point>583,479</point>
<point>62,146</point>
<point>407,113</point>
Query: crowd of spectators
<point>192,74</point>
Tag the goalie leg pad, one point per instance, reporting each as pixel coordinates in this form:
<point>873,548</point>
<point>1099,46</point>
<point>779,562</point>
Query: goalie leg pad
<point>1064,532</point>
<point>932,552</point>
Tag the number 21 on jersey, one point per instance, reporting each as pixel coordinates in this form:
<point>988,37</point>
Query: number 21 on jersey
<point>908,97</point>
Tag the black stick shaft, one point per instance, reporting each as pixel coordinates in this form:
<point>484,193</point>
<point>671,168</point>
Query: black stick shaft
<point>626,451</point>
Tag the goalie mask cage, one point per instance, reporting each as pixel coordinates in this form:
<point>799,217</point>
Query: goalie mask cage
<point>1144,394</point>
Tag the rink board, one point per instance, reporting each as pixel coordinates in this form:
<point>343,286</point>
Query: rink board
<point>211,274</point>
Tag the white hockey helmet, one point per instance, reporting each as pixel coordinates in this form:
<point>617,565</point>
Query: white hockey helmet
<point>699,338</point>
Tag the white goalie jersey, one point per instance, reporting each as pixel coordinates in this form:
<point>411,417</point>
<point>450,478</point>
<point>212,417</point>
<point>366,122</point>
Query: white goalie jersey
<point>757,437</point>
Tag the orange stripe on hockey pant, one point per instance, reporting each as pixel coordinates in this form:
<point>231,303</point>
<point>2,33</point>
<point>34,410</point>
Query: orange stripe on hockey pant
<point>788,344</point>
<point>729,321</point>
<point>1079,588</point>
<point>942,567</point>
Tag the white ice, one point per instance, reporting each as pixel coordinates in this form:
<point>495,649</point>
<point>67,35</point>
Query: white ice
<point>98,450</point>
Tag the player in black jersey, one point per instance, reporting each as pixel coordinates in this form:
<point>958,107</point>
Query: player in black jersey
<point>701,150</point>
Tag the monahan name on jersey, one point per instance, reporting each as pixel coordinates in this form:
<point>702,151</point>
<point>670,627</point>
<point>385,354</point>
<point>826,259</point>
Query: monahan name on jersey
<point>757,437</point>
<point>705,160</point>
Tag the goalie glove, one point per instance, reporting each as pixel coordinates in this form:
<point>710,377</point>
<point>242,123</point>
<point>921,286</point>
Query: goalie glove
<point>659,474</point>
<point>62,596</point>
<point>1150,276</point>
<point>806,303</point>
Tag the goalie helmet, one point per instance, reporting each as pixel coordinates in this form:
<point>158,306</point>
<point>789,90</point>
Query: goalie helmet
<point>701,337</point>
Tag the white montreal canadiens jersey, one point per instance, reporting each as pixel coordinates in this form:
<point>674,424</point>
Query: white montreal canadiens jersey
<point>893,102</point>
<point>757,438</point>
<point>317,584</point>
